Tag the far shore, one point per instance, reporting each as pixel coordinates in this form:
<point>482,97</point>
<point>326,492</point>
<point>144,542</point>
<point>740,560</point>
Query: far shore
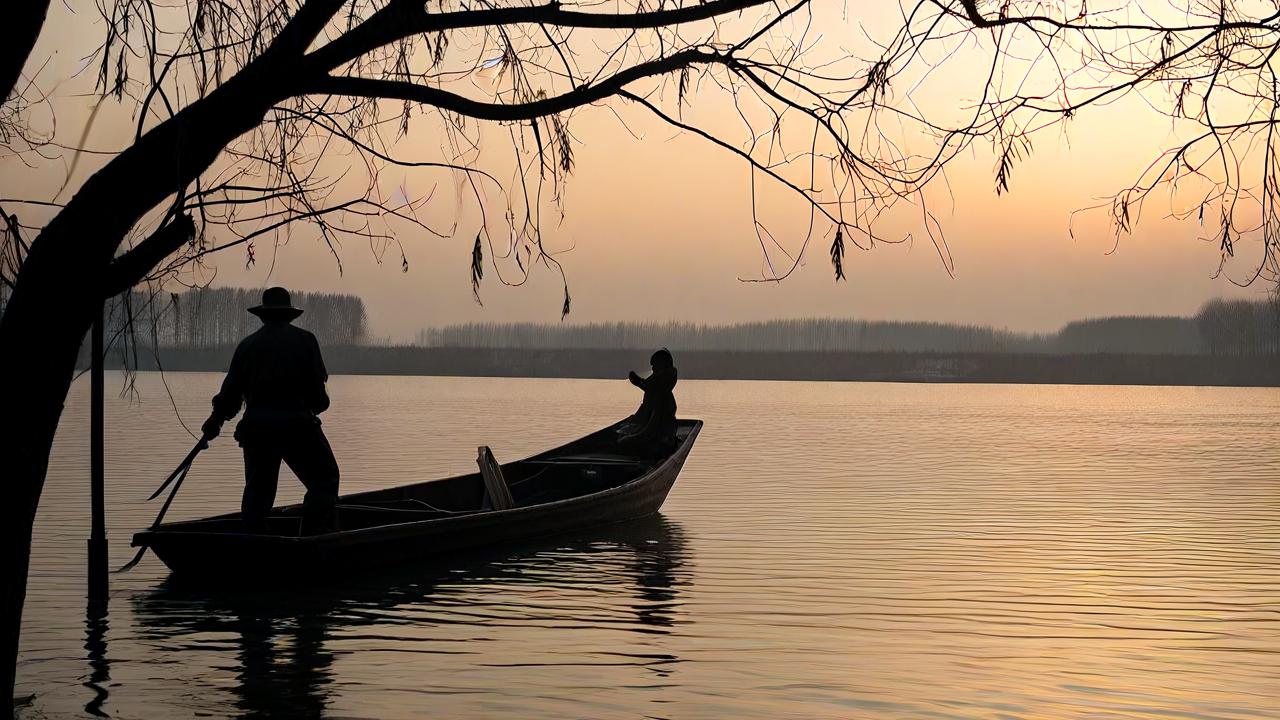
<point>1029,368</point>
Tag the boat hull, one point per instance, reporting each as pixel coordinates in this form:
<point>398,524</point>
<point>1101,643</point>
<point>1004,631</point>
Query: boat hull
<point>236,554</point>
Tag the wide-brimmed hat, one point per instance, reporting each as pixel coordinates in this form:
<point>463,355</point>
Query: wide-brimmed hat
<point>276,305</point>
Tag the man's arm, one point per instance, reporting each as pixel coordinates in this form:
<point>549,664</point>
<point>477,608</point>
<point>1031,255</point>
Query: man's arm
<point>319,397</point>
<point>226,404</point>
<point>637,380</point>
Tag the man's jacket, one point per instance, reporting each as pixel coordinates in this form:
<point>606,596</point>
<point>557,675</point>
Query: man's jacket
<point>278,375</point>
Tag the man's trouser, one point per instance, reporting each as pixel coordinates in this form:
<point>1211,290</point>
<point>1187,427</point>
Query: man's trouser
<point>306,450</point>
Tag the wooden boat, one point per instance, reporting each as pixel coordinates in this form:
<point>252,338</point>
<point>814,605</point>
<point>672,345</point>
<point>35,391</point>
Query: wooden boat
<point>586,483</point>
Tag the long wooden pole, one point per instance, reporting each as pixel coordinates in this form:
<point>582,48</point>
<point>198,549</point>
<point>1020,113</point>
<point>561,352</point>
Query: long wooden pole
<point>97,470</point>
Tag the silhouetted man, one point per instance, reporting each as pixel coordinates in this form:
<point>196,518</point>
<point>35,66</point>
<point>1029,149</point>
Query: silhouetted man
<point>278,374</point>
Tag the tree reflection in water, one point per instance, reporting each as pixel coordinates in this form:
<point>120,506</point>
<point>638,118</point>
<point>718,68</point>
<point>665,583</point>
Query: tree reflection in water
<point>284,659</point>
<point>95,645</point>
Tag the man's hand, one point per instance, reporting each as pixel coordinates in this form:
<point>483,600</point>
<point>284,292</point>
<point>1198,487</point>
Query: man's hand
<point>633,377</point>
<point>212,427</point>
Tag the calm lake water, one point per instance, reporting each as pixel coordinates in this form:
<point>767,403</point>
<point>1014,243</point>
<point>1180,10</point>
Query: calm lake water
<point>830,551</point>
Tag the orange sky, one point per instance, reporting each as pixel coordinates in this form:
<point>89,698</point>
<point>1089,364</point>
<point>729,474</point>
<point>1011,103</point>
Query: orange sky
<point>660,230</point>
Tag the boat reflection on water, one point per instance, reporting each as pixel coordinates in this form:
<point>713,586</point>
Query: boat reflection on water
<point>285,641</point>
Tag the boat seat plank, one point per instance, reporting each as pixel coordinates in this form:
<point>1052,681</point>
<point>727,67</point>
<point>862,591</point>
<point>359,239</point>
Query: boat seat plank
<point>497,494</point>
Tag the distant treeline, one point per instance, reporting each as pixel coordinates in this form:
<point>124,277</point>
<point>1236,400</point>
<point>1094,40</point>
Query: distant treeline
<point>1240,327</point>
<point>1222,327</point>
<point>819,335</point>
<point>215,317</point>
<point>1091,368</point>
<point>1226,343</point>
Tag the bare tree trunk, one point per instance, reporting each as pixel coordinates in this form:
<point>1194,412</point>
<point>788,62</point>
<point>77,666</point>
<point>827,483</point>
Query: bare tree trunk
<point>50,311</point>
<point>72,267</point>
<point>41,332</point>
<point>18,34</point>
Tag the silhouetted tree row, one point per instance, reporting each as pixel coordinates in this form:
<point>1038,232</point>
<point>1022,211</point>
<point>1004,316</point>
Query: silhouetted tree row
<point>1080,368</point>
<point>1240,327</point>
<point>1150,334</point>
<point>212,317</point>
<point>1221,328</point>
<point>774,335</point>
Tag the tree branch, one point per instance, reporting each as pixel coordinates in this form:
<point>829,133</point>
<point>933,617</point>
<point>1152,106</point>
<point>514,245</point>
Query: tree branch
<point>21,29</point>
<point>303,28</point>
<point>131,267</point>
<point>502,112</point>
<point>973,15</point>
<point>402,19</point>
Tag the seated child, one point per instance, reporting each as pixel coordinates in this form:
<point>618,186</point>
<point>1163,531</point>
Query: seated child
<point>655,421</point>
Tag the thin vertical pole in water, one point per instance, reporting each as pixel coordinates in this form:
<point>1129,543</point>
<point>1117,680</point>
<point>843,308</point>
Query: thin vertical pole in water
<point>97,471</point>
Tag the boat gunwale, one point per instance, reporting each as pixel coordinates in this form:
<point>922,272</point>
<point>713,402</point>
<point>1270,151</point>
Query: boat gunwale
<point>343,536</point>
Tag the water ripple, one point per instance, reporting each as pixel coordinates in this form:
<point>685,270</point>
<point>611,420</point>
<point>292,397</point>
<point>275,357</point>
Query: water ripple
<point>831,551</point>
